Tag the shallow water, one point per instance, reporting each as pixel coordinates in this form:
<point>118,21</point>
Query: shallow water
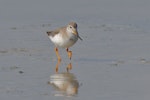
<point>112,61</point>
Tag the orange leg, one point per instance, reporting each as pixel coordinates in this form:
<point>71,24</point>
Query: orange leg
<point>69,67</point>
<point>69,53</point>
<point>57,66</point>
<point>57,54</point>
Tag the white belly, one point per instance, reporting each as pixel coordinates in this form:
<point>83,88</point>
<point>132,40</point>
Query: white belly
<point>64,42</point>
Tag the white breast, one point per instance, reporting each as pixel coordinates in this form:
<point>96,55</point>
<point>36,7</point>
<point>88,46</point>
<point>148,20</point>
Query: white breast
<point>64,42</point>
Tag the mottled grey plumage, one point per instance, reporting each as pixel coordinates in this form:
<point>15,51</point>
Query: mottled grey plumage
<point>63,30</point>
<point>54,32</point>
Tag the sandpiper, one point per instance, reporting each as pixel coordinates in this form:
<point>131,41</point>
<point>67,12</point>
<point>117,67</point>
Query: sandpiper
<point>64,37</point>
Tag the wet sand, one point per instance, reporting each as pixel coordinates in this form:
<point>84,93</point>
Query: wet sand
<point>112,61</point>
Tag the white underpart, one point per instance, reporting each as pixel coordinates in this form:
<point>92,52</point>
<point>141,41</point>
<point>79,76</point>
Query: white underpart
<point>64,42</point>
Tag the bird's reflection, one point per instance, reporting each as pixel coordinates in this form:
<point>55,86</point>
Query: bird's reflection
<point>64,83</point>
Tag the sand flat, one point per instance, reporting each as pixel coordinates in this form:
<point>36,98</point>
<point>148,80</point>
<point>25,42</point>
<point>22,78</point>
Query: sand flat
<point>112,61</point>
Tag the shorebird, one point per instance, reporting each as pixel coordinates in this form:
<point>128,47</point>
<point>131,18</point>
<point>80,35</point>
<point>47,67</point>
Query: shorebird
<point>64,37</point>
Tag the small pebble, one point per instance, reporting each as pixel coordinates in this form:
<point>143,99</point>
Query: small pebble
<point>21,72</point>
